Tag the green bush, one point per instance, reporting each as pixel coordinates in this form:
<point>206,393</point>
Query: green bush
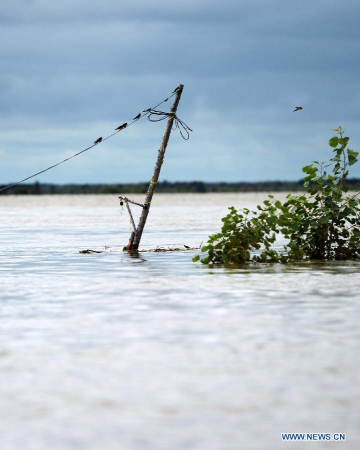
<point>321,225</point>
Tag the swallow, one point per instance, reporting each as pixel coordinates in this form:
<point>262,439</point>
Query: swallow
<point>186,246</point>
<point>297,108</point>
<point>121,127</point>
<point>147,110</point>
<point>98,141</point>
<point>175,90</point>
<point>137,117</point>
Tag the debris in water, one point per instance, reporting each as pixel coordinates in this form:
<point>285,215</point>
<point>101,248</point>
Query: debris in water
<point>153,250</point>
<point>162,249</point>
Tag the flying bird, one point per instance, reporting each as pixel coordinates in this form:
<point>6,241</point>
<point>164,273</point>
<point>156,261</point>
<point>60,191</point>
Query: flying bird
<point>297,108</point>
<point>137,117</point>
<point>98,141</point>
<point>121,127</point>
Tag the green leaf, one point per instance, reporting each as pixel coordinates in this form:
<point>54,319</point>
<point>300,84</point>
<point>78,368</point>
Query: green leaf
<point>333,142</point>
<point>335,159</point>
<point>352,156</point>
<point>347,211</point>
<point>272,219</point>
<point>307,168</point>
<point>322,225</point>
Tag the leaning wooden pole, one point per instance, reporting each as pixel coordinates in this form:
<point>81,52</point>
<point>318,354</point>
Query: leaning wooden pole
<point>134,243</point>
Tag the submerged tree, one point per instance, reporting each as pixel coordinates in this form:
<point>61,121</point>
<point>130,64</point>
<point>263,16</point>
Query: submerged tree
<point>321,225</point>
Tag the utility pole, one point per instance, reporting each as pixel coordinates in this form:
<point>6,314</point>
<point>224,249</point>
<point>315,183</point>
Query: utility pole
<point>136,236</point>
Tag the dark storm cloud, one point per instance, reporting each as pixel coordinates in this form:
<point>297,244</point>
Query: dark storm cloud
<point>71,71</point>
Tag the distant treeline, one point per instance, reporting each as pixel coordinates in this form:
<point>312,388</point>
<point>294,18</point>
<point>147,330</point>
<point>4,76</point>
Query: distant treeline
<point>165,186</point>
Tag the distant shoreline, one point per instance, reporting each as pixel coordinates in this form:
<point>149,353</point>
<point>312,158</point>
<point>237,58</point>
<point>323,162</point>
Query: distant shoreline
<point>162,187</point>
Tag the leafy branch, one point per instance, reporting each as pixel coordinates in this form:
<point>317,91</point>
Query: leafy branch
<point>322,225</point>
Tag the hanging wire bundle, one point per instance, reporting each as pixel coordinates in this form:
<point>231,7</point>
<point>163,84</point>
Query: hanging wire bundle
<point>178,123</point>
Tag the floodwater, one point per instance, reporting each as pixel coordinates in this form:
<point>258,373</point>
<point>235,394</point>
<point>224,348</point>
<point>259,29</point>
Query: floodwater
<point>112,351</point>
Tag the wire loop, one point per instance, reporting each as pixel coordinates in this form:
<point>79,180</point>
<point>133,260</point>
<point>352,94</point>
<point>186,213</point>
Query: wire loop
<point>177,124</point>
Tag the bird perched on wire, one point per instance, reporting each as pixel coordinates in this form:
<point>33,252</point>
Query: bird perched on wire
<point>147,110</point>
<point>137,117</point>
<point>98,141</point>
<point>175,90</point>
<point>297,108</point>
<point>121,127</point>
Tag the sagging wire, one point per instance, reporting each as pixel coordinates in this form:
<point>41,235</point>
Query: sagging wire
<point>177,124</point>
<point>96,142</point>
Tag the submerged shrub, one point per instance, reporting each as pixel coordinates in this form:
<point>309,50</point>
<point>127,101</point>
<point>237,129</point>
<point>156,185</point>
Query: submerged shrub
<point>321,225</point>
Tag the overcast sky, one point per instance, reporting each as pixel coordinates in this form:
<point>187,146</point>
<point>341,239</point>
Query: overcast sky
<point>73,71</point>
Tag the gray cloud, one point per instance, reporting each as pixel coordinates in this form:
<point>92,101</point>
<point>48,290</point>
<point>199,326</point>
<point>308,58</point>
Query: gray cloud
<point>73,71</point>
